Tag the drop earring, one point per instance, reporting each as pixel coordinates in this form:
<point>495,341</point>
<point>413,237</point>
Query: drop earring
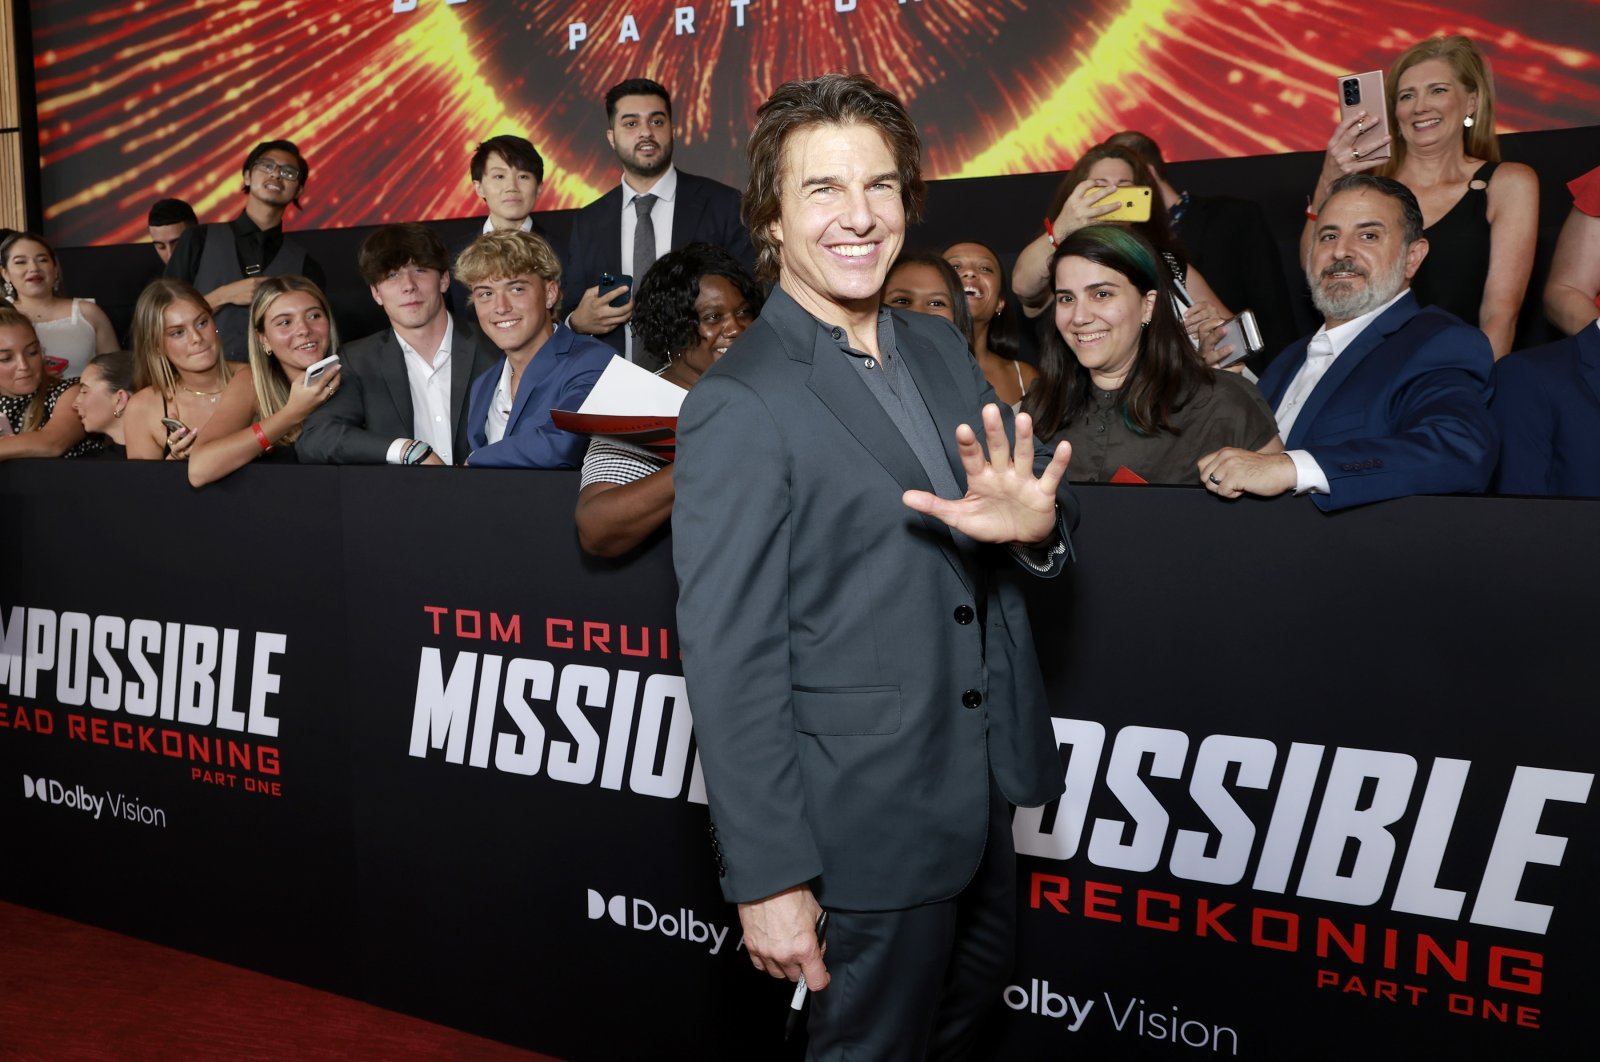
<point>1468,121</point>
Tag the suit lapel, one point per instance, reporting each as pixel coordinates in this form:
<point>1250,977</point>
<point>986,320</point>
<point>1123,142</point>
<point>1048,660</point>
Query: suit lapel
<point>941,394</point>
<point>834,381</point>
<point>686,212</point>
<point>537,371</point>
<point>463,354</point>
<point>392,366</point>
<point>1370,339</point>
<point>1282,371</point>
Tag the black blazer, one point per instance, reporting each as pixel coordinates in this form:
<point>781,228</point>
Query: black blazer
<point>372,407</point>
<point>704,211</point>
<point>857,672</point>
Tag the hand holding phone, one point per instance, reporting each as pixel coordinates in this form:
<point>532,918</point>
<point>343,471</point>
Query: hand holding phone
<point>609,282</point>
<point>1133,203</point>
<point>172,424</point>
<point>1244,336</point>
<point>315,372</point>
<point>1369,143</point>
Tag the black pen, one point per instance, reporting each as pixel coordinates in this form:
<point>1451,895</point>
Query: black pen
<point>797,1004</point>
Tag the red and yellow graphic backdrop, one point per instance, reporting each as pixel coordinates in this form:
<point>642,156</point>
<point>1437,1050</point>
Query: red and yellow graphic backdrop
<point>140,99</point>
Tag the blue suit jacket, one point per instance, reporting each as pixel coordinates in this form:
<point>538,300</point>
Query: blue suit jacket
<point>1404,409</point>
<point>1547,406</point>
<point>560,376</point>
<point>704,210</point>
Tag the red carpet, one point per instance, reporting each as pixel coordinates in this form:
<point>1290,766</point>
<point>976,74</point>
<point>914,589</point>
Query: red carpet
<point>73,993</point>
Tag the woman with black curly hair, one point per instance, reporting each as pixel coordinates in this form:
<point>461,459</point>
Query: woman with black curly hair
<point>691,306</point>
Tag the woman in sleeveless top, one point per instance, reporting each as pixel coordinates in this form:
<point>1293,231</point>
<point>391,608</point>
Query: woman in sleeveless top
<point>985,286</point>
<point>104,391</point>
<point>71,331</point>
<point>181,371</point>
<point>266,402</point>
<point>1480,215</point>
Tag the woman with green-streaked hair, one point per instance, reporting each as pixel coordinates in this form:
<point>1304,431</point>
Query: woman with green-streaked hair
<point>1119,378</point>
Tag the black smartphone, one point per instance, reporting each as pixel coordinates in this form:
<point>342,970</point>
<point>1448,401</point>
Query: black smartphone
<point>608,282</point>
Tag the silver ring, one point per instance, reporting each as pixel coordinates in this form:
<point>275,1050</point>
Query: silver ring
<point>1213,478</point>
<point>1356,152</point>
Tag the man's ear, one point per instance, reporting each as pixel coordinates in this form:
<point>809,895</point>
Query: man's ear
<point>1414,256</point>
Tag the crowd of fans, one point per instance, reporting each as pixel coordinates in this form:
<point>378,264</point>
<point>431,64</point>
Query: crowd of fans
<point>235,357</point>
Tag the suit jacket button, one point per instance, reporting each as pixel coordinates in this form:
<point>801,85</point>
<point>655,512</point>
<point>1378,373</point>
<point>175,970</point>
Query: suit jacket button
<point>971,699</point>
<point>964,614</point>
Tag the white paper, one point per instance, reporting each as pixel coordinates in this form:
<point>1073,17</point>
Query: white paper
<point>626,390</point>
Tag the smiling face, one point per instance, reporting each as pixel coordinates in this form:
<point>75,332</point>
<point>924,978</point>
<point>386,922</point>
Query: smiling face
<point>295,329</point>
<point>842,219</point>
<point>265,180</point>
<point>641,135</point>
<point>21,361</point>
<point>189,338</point>
<point>1359,258</point>
<point>722,313</point>
<point>508,192</point>
<point>919,287</point>
<point>97,405</point>
<point>412,296</point>
<point>515,312</point>
<point>1430,103</point>
<point>31,269</point>
<point>979,271</point>
<point>1100,313</point>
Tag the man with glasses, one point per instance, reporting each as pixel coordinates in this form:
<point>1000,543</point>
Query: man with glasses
<point>227,261</point>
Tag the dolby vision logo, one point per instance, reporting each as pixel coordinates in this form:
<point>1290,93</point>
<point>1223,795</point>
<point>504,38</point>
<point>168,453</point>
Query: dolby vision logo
<point>616,908</point>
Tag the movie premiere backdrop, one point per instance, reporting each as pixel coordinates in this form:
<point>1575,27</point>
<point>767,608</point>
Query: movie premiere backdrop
<point>140,99</point>
<point>1329,780</point>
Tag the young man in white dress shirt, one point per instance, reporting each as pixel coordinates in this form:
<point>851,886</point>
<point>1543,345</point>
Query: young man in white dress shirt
<point>403,398</point>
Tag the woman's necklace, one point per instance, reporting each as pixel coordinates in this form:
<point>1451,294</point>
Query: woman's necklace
<point>202,394</point>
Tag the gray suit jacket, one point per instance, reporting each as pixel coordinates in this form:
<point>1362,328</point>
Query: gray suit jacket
<point>855,673</point>
<point>372,407</point>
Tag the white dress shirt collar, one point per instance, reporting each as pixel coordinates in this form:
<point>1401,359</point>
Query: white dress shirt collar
<point>526,226</point>
<point>665,188</point>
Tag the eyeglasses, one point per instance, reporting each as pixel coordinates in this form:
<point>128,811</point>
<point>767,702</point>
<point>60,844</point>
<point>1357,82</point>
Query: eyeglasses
<point>268,168</point>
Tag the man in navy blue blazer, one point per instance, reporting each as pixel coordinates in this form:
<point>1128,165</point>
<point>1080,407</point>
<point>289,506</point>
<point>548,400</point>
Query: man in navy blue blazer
<point>1386,399</point>
<point>1547,406</point>
<point>673,208</point>
<point>514,281</point>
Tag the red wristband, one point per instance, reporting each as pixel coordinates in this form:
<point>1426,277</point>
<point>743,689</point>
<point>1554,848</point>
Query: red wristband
<point>261,437</point>
<point>1050,231</point>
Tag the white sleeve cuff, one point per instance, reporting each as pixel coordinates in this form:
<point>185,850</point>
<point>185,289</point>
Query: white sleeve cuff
<point>397,451</point>
<point>1308,476</point>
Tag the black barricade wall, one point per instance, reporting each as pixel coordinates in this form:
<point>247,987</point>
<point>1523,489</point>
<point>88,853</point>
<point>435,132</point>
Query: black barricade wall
<point>386,732</point>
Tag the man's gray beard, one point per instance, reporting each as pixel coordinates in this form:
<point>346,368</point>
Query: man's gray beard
<point>1353,302</point>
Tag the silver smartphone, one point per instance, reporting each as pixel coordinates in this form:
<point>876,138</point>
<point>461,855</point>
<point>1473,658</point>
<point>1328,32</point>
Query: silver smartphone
<point>1245,336</point>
